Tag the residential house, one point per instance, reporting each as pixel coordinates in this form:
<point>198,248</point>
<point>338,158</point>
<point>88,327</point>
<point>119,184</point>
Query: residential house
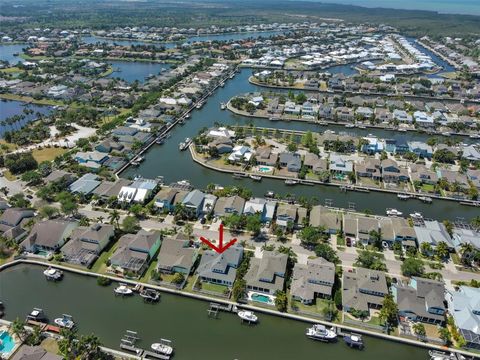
<point>369,168</point>
<point>139,191</point>
<point>286,215</point>
<point>291,161</point>
<point>402,116</point>
<point>255,206</point>
<point>267,274</point>
<point>27,352</point>
<point>240,153</point>
<point>339,164</point>
<point>86,244</point>
<point>229,205</point>
<point>12,221</point>
<point>433,232</point>
<point>91,159</point>
<point>220,268</point>
<point>110,189</point>
<point>164,200</point>
<point>421,173</point>
<point>265,156</point>
<point>176,255</point>
<point>193,202</point>
<point>85,185</point>
<point>314,163</point>
<point>393,173</point>
<point>135,251</point>
<point>420,300</point>
<point>363,289</point>
<point>315,279</point>
<point>48,235</point>
<point>208,204</point>
<point>321,216</point>
<point>421,149</point>
<point>345,114</point>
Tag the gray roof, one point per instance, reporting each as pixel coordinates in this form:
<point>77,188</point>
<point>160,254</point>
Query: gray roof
<point>27,352</point>
<point>109,189</point>
<point>49,233</point>
<point>317,277</point>
<point>85,185</point>
<point>229,205</point>
<point>194,198</point>
<point>267,272</point>
<point>433,232</point>
<point>176,252</point>
<point>464,306</point>
<point>13,216</point>
<point>363,287</point>
<point>221,266</point>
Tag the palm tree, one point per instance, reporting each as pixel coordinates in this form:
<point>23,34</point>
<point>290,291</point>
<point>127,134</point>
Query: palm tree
<point>84,221</point>
<point>114,217</point>
<point>100,219</point>
<point>442,250</point>
<point>466,250</point>
<point>188,230</point>
<point>18,328</point>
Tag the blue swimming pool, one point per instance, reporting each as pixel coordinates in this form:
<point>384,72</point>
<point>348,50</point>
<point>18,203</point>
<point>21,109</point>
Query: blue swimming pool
<point>261,298</point>
<point>6,343</point>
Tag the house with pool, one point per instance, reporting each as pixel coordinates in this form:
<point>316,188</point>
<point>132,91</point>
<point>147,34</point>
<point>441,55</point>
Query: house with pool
<point>266,275</point>
<point>221,268</point>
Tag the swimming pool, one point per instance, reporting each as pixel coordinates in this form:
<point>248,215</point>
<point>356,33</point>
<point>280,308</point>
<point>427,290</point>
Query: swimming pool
<point>262,298</point>
<point>6,343</point>
<point>265,169</point>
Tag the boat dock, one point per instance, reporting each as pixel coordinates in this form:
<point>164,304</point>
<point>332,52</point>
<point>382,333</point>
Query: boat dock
<point>215,308</point>
<point>128,343</point>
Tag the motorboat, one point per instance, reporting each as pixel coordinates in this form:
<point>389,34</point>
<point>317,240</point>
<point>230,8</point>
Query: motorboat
<point>66,321</point>
<point>269,194</point>
<point>291,182</point>
<point>402,130</point>
<point>247,316</point>
<point>256,177</point>
<point>162,348</point>
<point>354,341</point>
<point>184,183</point>
<point>150,295</point>
<point>320,332</point>
<point>350,126</point>
<point>416,215</point>
<point>403,196</point>
<point>447,134</point>
<point>160,141</point>
<point>53,274</point>
<point>440,355</point>
<point>474,136</point>
<point>274,118</point>
<point>36,315</point>
<point>223,106</point>
<point>123,290</point>
<point>425,199</point>
<point>394,212</point>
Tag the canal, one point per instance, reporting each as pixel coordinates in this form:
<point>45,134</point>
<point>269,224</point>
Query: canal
<point>180,319</point>
<point>131,71</point>
<point>11,52</point>
<point>10,108</point>
<point>167,161</point>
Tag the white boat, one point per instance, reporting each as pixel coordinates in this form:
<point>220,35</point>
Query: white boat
<point>247,316</point>
<point>447,134</point>
<point>394,212</point>
<point>269,194</point>
<point>362,127</point>
<point>150,295</point>
<point>53,274</point>
<point>36,315</point>
<point>223,106</point>
<point>291,182</point>
<point>187,116</point>
<point>350,126</point>
<point>354,341</point>
<point>162,348</point>
<point>475,136</point>
<point>66,321</point>
<point>439,355</point>
<point>403,196</point>
<point>416,215</point>
<point>184,183</point>
<point>425,199</point>
<point>402,130</point>
<point>320,332</point>
<point>256,177</point>
<point>123,290</point>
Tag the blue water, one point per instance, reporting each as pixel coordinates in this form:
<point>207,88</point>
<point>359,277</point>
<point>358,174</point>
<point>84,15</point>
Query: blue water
<point>7,51</point>
<point>11,108</point>
<point>6,343</point>
<point>135,70</point>
<point>467,7</point>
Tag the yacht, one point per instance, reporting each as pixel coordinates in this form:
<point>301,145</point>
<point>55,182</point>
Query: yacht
<point>162,348</point>
<point>36,315</point>
<point>394,212</point>
<point>66,321</point>
<point>354,341</point>
<point>403,196</point>
<point>123,290</point>
<point>291,182</point>
<point>440,355</point>
<point>320,332</point>
<point>53,274</point>
<point>256,177</point>
<point>247,316</point>
<point>425,199</point>
<point>150,295</point>
<point>185,144</point>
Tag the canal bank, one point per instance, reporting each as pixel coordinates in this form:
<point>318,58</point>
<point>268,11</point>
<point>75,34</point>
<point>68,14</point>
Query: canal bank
<point>178,318</point>
<point>174,165</point>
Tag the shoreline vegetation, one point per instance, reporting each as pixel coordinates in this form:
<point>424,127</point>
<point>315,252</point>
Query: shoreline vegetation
<point>208,298</point>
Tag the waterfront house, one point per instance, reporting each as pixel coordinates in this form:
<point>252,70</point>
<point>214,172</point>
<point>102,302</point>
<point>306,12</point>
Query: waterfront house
<point>221,132</point>
<point>402,231</point>
<point>402,116</point>
<point>176,255</point>
<point>372,145</point>
<point>474,176</point>
<point>471,153</point>
<point>419,172</point>
<point>265,156</point>
<point>57,176</point>
<point>12,222</point>
<point>164,200</point>
<point>106,146</point>
<point>364,113</point>
<point>330,220</point>
<point>420,300</point>
<point>27,352</point>
<point>464,307</point>
<point>135,251</point>
<point>85,185</point>
<point>110,189</point>
<point>86,244</point>
<point>363,289</point>
<point>314,163</point>
<point>220,268</point>
<point>369,168</point>
<point>315,279</point>
<point>255,206</point>
<point>193,202</point>
<point>139,191</point>
<point>267,274</point>
<point>291,161</point>
<point>454,177</point>
<point>465,236</point>
<point>432,232</point>
<point>229,205</point>
<point>421,149</point>
<point>48,235</point>
<point>308,109</point>
<point>91,159</point>
<point>423,119</point>
<point>393,173</point>
<point>290,108</point>
<point>208,204</point>
<point>339,164</point>
<point>287,214</point>
<point>240,153</point>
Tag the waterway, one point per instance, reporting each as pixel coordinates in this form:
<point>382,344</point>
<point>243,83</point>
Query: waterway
<point>9,108</point>
<point>446,67</point>
<point>7,52</point>
<point>167,161</point>
<point>131,71</point>
<point>180,319</point>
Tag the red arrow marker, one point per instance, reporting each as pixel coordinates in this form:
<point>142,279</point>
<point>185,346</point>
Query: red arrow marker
<point>220,248</point>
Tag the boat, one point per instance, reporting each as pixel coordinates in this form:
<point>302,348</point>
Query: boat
<point>291,182</point>
<point>160,141</point>
<point>181,121</point>
<point>199,105</point>
<point>416,215</point>
<point>185,144</point>
<point>269,194</point>
<point>447,134</point>
<point>403,196</point>
<point>350,126</point>
<point>274,118</point>
<point>402,130</point>
<point>323,123</point>
<point>184,183</point>
<point>222,84</point>
<point>36,315</point>
<point>150,295</point>
<point>354,341</point>
<point>53,274</point>
<point>362,127</point>
<point>123,290</point>
<point>394,212</point>
<point>223,106</point>
<point>256,177</point>
<point>66,321</point>
<point>137,161</point>
<point>425,199</point>
<point>320,332</point>
<point>440,355</point>
<point>247,316</point>
<point>187,116</point>
<point>474,136</point>
<point>162,348</point>
<point>231,75</point>
<point>16,54</point>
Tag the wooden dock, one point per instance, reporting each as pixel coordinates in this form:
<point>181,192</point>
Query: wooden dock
<point>215,308</point>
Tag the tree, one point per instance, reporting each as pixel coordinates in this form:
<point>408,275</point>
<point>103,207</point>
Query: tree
<point>467,252</point>
<point>370,260</point>
<point>136,209</point>
<point>19,163</point>
<point>412,267</point>
<point>281,301</point>
<point>254,224</point>
<point>178,278</point>
<point>419,329</point>
<point>310,235</point>
<point>441,250</point>
<point>292,147</point>
<point>18,328</point>
<point>389,311</point>
<point>445,336</point>
<point>114,217</point>
<point>188,230</point>
<point>130,224</point>
<point>376,237</point>
<point>325,251</point>
<point>426,249</point>
<point>48,211</point>
<point>238,289</point>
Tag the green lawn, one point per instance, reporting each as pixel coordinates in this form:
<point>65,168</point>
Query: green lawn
<point>100,265</point>
<point>148,274</point>
<point>428,188</point>
<point>214,287</point>
<point>318,307</point>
